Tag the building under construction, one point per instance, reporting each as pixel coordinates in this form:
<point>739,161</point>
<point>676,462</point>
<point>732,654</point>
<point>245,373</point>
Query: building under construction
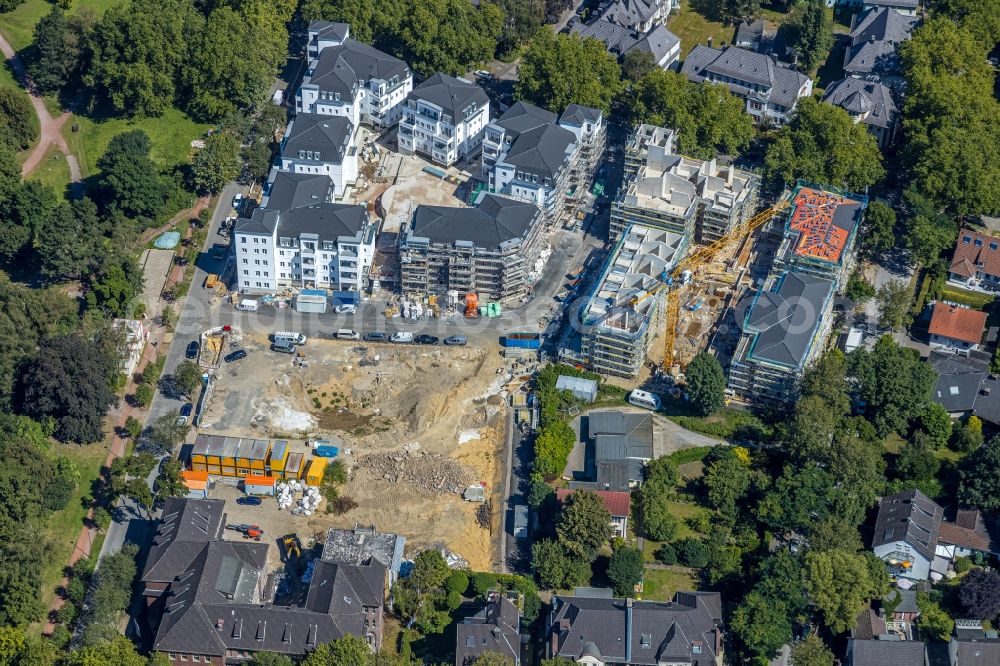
<point>680,194</point>
<point>490,249</point>
<point>620,318</point>
<point>819,233</point>
<point>784,327</point>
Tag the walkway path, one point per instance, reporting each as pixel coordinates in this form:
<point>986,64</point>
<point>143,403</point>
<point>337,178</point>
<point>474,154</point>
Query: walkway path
<point>50,132</point>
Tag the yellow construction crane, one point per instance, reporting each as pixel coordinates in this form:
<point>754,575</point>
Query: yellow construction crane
<point>685,269</point>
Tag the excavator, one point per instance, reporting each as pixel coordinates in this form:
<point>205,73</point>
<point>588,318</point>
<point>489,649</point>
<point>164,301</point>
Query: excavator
<point>685,270</point>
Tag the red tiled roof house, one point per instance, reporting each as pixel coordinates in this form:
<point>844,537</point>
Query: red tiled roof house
<point>616,502</point>
<point>976,259</point>
<point>955,328</point>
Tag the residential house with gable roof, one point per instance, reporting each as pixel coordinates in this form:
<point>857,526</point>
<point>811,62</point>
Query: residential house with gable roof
<point>617,503</point>
<point>496,628</point>
<point>873,51</point>
<point>975,262</point>
<point>867,102</point>
<point>639,15</point>
<point>320,144</point>
<point>444,119</point>
<point>625,632</point>
<point>663,46</point>
<point>770,89</point>
<point>955,328</point>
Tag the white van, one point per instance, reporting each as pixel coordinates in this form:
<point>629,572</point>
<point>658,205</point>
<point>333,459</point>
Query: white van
<point>294,336</point>
<point>644,399</point>
<point>248,305</point>
<point>347,334</point>
<point>401,336</point>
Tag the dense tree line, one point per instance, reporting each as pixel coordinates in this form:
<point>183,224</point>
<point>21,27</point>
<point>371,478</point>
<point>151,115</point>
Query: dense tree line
<point>142,57</point>
<point>559,70</point>
<point>449,36</point>
<point>18,129</point>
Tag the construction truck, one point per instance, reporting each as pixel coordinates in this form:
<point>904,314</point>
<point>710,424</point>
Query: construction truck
<point>248,531</point>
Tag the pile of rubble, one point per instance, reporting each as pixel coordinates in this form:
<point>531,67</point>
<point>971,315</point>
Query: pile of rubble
<point>429,471</point>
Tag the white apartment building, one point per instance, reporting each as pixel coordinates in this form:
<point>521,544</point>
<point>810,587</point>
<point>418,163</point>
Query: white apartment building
<point>318,144</point>
<point>297,238</point>
<point>444,119</point>
<point>352,79</point>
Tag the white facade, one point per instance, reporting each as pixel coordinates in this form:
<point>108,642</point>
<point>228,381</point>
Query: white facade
<point>311,99</point>
<point>255,263</point>
<point>269,258</point>
<point>445,135</point>
<point>342,174</point>
<point>920,566</point>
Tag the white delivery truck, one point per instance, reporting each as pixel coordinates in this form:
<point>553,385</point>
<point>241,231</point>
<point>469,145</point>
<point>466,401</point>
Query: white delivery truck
<point>248,305</point>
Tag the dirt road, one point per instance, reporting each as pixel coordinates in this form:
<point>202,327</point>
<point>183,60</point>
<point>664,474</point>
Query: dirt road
<point>50,132</point>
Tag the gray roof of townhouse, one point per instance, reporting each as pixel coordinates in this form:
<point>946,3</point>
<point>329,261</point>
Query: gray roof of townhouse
<point>745,65</point>
<point>329,136</point>
<point>858,96</point>
<point>875,652</point>
<point>341,69</point>
<point>911,517</point>
<point>495,221</point>
<point>522,117</point>
<point>630,12</point>
<point>616,38</point>
<point>577,115</point>
<point>620,435</point>
<point>332,29</point>
<point>543,150</point>
<point>973,647</point>
<point>747,32</point>
<point>212,607</point>
<point>453,95</point>
<point>329,221</point>
<point>495,628</point>
<point>185,526</point>
<point>875,41</point>
<point>288,190</point>
<point>786,318</point>
<point>660,631</point>
<point>965,384</point>
<point>658,42</point>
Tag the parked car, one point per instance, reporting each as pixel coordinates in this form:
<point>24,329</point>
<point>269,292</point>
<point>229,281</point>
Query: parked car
<point>237,200</point>
<point>248,501</point>
<point>401,336</point>
<point>192,350</point>
<point>455,341</point>
<point>426,340</point>
<point>185,413</point>
<point>347,334</point>
<point>235,356</point>
<point>283,346</point>
<point>294,337</point>
<point>346,309</point>
<point>375,337</point>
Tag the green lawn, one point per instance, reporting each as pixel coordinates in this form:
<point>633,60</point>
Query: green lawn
<point>661,584</point>
<point>894,443</point>
<point>64,526</point>
<point>692,28</point>
<point>53,171</point>
<point>171,135</point>
<point>682,510</point>
<point>18,26</point>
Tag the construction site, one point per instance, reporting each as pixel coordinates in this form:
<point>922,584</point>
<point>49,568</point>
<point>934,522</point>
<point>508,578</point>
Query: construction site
<point>660,299</point>
<point>415,427</point>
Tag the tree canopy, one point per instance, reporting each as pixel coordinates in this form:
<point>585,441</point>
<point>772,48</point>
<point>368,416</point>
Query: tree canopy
<point>708,118</point>
<point>823,144</point>
<point>706,384</point>
<point>559,70</point>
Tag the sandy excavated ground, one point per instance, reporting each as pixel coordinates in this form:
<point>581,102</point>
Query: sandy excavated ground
<point>414,431</point>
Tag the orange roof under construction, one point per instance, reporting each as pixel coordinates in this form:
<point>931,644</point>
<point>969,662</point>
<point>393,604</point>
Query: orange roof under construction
<point>824,221</point>
<point>194,479</point>
<point>957,323</point>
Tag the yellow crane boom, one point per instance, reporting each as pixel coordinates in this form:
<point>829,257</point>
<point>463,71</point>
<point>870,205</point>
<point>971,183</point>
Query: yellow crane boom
<point>694,261</point>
